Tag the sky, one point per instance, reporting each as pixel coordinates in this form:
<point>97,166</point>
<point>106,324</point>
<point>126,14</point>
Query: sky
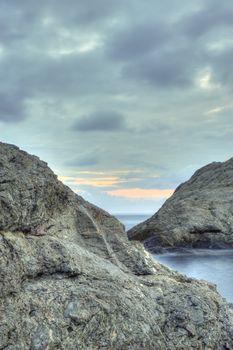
<point>124,99</point>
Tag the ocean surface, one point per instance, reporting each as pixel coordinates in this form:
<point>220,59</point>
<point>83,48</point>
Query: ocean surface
<point>215,266</point>
<point>130,220</point>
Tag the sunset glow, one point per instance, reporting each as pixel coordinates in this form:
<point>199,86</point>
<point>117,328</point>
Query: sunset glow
<point>95,182</point>
<point>141,193</point>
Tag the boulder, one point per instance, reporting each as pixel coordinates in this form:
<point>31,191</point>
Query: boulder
<point>70,279</point>
<point>198,215</point>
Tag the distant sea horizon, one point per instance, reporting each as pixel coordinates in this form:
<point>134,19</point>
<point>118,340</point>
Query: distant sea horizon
<point>130,220</point>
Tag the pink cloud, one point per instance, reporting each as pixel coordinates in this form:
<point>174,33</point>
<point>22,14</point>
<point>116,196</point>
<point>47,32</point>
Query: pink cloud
<point>141,193</point>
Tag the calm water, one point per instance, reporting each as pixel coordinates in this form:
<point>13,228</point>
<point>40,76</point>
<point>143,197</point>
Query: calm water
<point>130,220</point>
<point>215,266</point>
<point>212,265</point>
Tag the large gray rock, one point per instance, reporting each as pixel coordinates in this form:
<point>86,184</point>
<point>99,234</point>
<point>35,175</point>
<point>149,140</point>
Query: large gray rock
<point>69,278</point>
<point>198,214</point>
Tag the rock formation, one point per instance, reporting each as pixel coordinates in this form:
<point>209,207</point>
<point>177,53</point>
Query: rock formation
<point>69,278</point>
<point>199,214</point>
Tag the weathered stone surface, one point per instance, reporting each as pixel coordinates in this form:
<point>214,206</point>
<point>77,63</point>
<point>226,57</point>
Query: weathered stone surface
<point>81,285</point>
<point>199,214</point>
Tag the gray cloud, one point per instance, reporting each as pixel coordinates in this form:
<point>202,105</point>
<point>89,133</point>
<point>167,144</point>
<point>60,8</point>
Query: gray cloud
<point>84,161</point>
<point>144,48</point>
<point>100,121</point>
<point>16,19</point>
<point>167,69</point>
<point>212,16</point>
<point>222,67</point>
<point>163,52</point>
<point>11,108</point>
<point>134,41</point>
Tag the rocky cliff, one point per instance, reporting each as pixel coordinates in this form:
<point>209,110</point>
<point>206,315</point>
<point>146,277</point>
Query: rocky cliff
<point>199,213</point>
<point>69,278</point>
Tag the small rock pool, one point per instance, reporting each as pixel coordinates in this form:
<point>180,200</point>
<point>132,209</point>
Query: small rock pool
<point>215,266</point>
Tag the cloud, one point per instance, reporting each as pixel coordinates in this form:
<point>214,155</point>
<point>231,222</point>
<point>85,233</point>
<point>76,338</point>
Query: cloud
<point>11,108</point>
<point>134,41</point>
<point>100,121</point>
<point>107,181</point>
<point>167,69</point>
<point>136,193</point>
<point>222,66</point>
<point>86,160</point>
<point>211,17</point>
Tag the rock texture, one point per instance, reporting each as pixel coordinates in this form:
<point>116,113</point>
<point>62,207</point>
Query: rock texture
<point>199,214</point>
<point>69,278</point>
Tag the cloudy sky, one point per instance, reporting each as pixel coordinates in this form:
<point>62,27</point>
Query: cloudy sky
<point>124,99</point>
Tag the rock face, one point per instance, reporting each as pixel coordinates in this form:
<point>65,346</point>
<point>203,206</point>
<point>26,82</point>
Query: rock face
<point>69,278</point>
<point>199,213</point>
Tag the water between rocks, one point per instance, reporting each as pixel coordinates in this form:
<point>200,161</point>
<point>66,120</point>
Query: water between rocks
<point>215,266</point>
<point>212,265</point>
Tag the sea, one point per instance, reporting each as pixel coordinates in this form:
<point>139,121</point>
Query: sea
<point>215,266</point>
<point>131,220</point>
